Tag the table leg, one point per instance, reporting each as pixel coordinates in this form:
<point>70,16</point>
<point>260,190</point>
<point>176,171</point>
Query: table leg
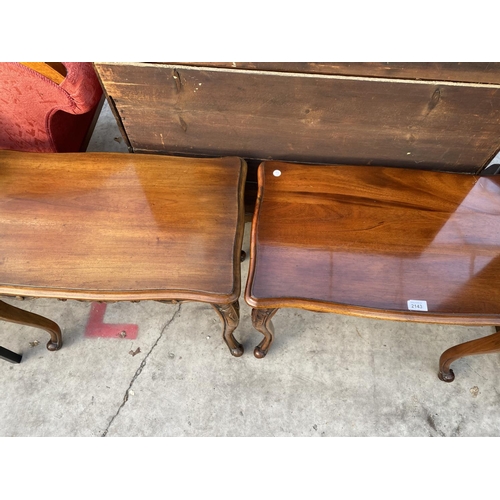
<point>15,315</point>
<point>261,320</point>
<point>485,345</point>
<point>230,316</point>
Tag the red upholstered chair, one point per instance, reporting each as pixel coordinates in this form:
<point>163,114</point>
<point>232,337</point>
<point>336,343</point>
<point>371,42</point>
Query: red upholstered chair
<point>38,114</point>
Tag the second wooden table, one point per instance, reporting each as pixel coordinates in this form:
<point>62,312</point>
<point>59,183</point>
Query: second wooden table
<point>378,242</point>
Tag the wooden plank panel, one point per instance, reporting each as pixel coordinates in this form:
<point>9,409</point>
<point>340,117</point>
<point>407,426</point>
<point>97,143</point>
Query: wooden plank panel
<point>305,118</point>
<point>472,72</point>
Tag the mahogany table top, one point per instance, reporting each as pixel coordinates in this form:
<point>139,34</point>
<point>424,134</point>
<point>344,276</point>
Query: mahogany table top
<point>111,226</point>
<point>372,241</point>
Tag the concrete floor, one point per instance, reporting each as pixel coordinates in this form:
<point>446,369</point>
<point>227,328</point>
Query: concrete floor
<point>325,375</point>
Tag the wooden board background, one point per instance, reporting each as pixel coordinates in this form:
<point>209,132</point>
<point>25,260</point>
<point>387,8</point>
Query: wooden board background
<point>307,117</point>
<point>471,72</point>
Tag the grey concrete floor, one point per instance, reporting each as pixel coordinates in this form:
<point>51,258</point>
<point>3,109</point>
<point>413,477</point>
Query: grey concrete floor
<point>325,375</point>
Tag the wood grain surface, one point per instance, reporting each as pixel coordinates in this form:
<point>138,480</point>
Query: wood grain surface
<point>365,241</point>
<point>307,117</point>
<point>471,72</point>
<point>111,226</point>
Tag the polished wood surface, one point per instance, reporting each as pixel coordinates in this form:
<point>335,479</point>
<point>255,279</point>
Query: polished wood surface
<point>365,241</point>
<point>111,226</point>
<point>440,124</point>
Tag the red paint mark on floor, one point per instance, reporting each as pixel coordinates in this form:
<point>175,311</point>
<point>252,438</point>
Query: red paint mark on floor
<point>97,328</point>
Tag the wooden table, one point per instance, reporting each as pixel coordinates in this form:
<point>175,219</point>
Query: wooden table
<point>120,227</point>
<point>377,242</point>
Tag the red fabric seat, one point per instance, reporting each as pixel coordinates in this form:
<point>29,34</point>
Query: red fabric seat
<point>39,115</point>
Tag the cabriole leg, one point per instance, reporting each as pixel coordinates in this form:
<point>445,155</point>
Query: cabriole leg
<point>15,315</point>
<point>485,345</point>
<point>230,316</point>
<point>261,320</point>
